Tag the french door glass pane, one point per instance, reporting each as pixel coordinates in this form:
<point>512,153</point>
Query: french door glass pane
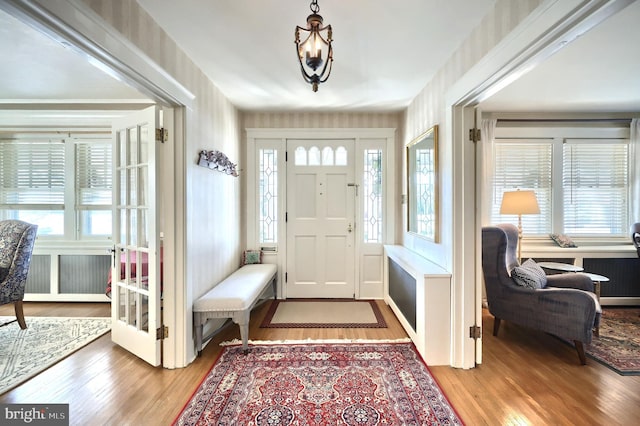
<point>144,186</point>
<point>133,186</point>
<point>144,145</point>
<point>133,147</point>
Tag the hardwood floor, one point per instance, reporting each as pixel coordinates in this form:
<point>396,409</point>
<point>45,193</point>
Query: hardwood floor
<point>526,377</point>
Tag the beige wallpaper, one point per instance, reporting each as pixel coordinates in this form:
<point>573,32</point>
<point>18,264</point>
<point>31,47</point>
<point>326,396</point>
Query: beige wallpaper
<point>428,107</point>
<point>320,119</point>
<point>215,205</point>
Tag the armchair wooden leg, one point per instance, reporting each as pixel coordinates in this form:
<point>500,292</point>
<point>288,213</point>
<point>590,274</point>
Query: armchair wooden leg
<point>580,349</point>
<point>496,326</point>
<point>20,314</point>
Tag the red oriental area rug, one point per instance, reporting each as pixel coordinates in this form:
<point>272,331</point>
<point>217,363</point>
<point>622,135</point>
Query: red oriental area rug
<point>319,384</point>
<point>618,346</point>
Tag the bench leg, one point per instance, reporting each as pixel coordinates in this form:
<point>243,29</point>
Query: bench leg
<point>199,327</point>
<point>274,284</point>
<point>242,319</point>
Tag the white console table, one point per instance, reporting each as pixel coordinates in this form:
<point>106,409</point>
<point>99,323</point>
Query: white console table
<point>431,309</point>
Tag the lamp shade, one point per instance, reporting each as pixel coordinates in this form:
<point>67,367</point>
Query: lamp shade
<point>519,202</point>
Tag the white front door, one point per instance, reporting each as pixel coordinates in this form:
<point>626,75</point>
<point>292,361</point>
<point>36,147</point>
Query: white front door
<point>135,305</point>
<point>320,219</point>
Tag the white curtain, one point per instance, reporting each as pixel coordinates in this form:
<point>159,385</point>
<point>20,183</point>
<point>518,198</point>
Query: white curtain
<point>634,166</point>
<point>487,129</point>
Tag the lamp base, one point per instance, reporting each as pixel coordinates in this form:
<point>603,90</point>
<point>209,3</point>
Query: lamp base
<point>520,239</point>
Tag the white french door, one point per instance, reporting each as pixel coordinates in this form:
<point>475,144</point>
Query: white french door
<point>320,219</point>
<point>135,305</point>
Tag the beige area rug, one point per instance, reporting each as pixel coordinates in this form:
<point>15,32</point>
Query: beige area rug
<point>47,340</point>
<point>314,313</point>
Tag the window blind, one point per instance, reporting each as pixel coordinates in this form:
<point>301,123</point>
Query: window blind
<point>595,186</point>
<point>525,165</point>
<point>33,174</point>
<point>94,175</point>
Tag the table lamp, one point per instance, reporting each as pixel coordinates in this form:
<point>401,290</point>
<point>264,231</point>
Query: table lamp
<point>519,202</point>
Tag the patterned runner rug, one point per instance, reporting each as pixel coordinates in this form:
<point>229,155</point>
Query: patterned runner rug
<point>314,313</point>
<point>618,346</point>
<point>47,340</point>
<point>367,383</point>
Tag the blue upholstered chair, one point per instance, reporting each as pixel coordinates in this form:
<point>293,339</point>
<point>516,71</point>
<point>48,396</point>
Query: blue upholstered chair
<point>16,245</point>
<point>564,306</point>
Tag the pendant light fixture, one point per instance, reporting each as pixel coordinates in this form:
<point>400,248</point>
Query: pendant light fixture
<point>316,41</point>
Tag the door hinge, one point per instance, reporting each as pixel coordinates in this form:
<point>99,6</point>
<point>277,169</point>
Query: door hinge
<point>286,217</point>
<point>474,135</point>
<point>475,332</point>
<point>286,156</point>
<point>162,332</point>
<point>286,275</point>
<point>162,135</point>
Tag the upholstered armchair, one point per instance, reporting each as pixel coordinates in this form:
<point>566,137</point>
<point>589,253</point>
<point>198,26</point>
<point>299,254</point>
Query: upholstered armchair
<point>635,236</point>
<point>562,304</point>
<point>16,245</point>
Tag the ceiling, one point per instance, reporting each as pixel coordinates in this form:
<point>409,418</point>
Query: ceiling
<point>35,68</point>
<point>385,53</point>
<point>598,72</point>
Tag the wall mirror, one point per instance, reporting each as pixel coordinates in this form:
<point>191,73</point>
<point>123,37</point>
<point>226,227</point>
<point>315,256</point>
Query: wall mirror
<point>422,185</point>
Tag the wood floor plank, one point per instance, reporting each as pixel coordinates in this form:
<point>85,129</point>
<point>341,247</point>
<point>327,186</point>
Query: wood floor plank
<point>527,377</point>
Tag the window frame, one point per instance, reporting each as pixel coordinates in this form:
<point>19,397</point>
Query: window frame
<point>72,211</point>
<point>558,133</point>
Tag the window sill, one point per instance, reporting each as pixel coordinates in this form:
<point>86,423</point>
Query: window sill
<point>601,250</point>
<point>72,247</point>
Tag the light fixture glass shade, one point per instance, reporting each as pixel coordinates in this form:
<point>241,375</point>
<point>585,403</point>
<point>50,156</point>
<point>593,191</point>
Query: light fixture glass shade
<point>313,45</point>
<point>519,202</point>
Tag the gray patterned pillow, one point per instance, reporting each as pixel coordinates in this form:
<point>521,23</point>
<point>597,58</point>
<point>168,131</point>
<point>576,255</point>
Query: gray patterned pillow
<point>529,275</point>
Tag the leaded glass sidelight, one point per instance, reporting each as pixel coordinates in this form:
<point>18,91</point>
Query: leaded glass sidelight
<point>372,196</point>
<point>268,196</point>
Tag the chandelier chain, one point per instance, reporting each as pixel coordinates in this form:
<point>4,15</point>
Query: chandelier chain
<point>314,6</point>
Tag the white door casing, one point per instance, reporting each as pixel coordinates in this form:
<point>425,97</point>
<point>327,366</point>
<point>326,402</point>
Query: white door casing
<point>135,306</point>
<point>320,223</point>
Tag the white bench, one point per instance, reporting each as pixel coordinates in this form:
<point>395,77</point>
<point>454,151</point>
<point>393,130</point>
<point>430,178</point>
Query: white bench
<point>234,297</point>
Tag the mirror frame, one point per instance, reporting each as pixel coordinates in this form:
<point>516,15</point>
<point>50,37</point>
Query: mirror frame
<point>432,234</point>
